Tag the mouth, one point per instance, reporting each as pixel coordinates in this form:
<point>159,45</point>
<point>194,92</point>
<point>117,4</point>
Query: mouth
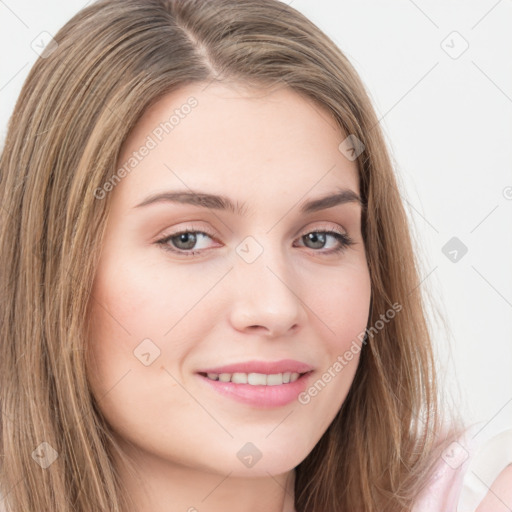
<point>257,390</point>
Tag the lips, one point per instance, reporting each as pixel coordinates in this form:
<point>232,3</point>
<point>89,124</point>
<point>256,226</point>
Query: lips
<point>261,384</point>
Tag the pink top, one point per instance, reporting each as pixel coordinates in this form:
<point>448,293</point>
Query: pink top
<point>466,471</point>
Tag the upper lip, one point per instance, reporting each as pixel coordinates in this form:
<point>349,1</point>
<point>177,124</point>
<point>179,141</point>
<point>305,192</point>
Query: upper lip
<point>266,367</point>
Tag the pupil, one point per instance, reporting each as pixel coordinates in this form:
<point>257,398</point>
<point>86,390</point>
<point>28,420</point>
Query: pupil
<point>315,238</point>
<point>184,237</point>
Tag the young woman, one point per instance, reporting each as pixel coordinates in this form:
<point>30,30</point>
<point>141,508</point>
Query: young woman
<point>210,298</point>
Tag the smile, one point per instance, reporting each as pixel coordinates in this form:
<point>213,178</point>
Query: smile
<point>261,390</point>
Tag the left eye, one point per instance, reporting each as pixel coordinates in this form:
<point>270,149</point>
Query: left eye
<point>184,241</point>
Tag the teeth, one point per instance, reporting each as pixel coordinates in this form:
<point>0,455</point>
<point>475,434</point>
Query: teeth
<point>256,379</point>
<point>238,378</point>
<point>274,379</point>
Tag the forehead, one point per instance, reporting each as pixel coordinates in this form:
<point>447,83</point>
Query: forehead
<point>252,141</point>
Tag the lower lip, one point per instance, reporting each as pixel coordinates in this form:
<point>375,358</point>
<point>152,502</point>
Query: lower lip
<point>260,396</point>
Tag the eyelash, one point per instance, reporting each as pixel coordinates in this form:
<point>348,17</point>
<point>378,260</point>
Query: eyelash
<point>344,240</point>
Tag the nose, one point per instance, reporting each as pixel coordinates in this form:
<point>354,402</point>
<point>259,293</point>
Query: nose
<point>267,297</point>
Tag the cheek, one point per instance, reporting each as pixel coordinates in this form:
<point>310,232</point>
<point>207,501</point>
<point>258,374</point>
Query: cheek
<point>132,308</point>
<point>141,300</point>
<point>342,306</point>
<point>139,307</point>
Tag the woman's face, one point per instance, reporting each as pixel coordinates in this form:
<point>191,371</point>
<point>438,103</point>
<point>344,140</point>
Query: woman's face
<point>258,283</point>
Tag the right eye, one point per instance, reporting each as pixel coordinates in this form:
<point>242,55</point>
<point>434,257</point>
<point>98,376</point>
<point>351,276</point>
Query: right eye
<point>187,238</point>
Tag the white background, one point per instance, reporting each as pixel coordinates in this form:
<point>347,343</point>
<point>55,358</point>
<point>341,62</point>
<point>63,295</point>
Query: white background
<point>448,125</point>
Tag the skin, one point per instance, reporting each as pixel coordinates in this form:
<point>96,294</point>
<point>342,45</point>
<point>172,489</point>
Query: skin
<point>499,497</point>
<point>272,151</point>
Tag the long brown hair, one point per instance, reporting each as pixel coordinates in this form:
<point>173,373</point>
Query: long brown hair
<point>77,107</point>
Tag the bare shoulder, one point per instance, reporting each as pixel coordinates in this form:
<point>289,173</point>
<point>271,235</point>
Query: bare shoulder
<point>499,496</point>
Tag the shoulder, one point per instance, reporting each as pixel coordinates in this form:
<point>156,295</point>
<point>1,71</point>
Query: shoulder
<point>473,474</point>
<point>499,496</point>
<point>488,482</point>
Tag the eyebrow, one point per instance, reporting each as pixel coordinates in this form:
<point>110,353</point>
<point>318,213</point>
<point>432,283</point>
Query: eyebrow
<point>219,202</point>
